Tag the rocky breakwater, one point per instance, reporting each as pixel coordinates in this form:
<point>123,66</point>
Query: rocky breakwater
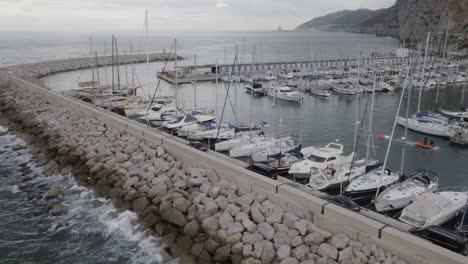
<point>41,69</point>
<point>199,216</point>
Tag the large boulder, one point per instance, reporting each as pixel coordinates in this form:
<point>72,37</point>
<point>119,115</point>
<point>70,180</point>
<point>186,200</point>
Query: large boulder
<point>266,230</point>
<point>327,250</point>
<point>174,216</point>
<point>139,205</point>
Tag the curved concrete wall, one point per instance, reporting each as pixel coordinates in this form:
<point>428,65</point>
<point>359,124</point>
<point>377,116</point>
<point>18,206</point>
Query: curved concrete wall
<point>324,214</point>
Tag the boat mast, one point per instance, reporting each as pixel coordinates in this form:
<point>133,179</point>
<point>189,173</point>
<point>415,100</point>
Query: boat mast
<point>444,55</point>
<point>216,87</point>
<point>97,68</point>
<point>112,62</point>
<point>195,82</point>
<point>147,51</point>
<point>251,94</point>
<point>176,75</point>
<point>371,116</point>
<point>422,72</point>
<point>91,53</point>
<point>133,67</point>
<point>403,151</point>
<point>117,63</point>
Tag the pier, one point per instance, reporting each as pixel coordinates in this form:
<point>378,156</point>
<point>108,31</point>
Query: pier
<point>207,72</point>
<point>194,199</point>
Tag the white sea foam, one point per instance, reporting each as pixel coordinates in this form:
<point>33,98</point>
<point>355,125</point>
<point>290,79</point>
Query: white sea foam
<point>14,189</point>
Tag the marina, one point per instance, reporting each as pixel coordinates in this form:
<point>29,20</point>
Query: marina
<point>225,132</point>
<point>361,180</point>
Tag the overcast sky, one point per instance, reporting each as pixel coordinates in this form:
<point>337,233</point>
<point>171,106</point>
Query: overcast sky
<point>128,15</point>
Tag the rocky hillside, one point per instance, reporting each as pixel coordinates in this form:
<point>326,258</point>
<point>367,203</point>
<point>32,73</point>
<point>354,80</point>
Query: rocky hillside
<point>412,19</point>
<point>346,20</point>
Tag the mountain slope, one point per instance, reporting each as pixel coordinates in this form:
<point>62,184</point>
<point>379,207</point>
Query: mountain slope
<point>347,20</point>
<point>412,19</point>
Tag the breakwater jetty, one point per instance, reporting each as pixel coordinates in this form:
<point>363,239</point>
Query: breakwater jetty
<point>205,208</point>
<point>41,69</point>
<point>207,72</point>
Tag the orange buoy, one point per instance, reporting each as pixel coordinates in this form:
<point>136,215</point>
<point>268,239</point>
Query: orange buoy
<point>381,136</point>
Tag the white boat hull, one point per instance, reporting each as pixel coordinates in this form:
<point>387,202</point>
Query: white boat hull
<point>425,128</point>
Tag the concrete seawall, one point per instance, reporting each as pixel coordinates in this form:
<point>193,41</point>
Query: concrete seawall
<point>278,205</point>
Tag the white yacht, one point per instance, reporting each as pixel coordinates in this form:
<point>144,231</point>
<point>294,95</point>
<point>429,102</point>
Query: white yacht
<point>366,186</point>
<point>254,145</point>
<point>434,208</point>
<point>262,155</point>
<point>333,178</point>
<point>285,75</point>
<point>255,89</point>
<point>320,92</point>
<point>285,93</point>
<point>239,141</point>
<point>425,126</point>
<point>344,88</point>
<point>404,193</point>
<point>319,158</point>
<point>188,119</point>
<point>456,114</point>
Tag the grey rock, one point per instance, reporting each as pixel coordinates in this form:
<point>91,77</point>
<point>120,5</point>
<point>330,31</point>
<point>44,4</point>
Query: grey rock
<point>210,224</point>
<point>340,241</point>
<point>197,173</point>
<point>289,220</point>
<point>222,254</point>
<point>214,192</point>
<point>289,260</point>
<point>258,249</point>
<point>237,248</point>
<point>249,225</point>
<point>247,250</point>
<point>283,252</point>
<point>225,220</point>
<point>313,239</point>
<point>327,250</point>
<point>301,226</point>
<point>211,245</point>
<point>204,257</point>
<point>257,216</point>
<point>281,238</point>
<point>197,249</point>
<point>300,252</point>
<point>235,228</point>
<point>246,199</point>
<point>175,217</point>
<point>53,192</point>
<point>280,228</point>
<point>251,238</point>
<point>346,253</point>
<point>266,230</point>
<point>139,205</point>
<point>241,216</point>
<point>296,241</point>
<point>181,204</point>
<point>192,228</point>
<point>232,209</point>
<point>268,254</point>
<point>58,209</point>
<point>251,261</point>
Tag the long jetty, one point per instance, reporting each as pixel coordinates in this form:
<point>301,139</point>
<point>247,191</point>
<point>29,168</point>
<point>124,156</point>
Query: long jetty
<point>208,72</point>
<point>205,208</point>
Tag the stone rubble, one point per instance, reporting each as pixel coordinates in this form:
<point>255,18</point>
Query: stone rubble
<point>200,217</point>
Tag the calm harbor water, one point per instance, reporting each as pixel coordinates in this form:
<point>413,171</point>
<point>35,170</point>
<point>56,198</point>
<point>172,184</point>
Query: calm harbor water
<point>90,235</point>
